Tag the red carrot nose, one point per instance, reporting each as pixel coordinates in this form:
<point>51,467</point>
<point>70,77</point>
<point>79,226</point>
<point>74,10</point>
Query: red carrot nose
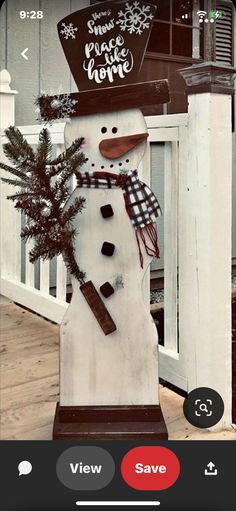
<point>113,148</point>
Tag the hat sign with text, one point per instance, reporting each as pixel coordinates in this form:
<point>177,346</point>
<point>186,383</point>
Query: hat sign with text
<point>105,44</point>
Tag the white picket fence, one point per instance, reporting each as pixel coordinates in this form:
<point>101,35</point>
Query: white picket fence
<point>178,364</point>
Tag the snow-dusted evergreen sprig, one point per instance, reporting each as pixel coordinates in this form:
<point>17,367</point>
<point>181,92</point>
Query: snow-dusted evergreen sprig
<point>42,198</point>
<point>60,106</point>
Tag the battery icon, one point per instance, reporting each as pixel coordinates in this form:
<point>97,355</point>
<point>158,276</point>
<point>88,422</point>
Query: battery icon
<point>215,15</point>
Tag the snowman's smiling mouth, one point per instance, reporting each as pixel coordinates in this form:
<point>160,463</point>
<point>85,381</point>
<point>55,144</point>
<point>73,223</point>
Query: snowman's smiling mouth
<point>111,166</point>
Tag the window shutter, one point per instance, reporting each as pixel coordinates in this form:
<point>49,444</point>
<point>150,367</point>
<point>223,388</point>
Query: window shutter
<point>224,35</point>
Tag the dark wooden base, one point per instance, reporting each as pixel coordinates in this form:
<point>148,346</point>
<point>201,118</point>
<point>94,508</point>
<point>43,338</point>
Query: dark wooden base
<point>109,423</point>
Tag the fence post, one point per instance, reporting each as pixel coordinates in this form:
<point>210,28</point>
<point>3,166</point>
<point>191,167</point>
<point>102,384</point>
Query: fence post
<point>10,251</point>
<point>205,263</point>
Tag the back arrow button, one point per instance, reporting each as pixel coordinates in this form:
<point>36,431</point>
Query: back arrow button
<point>23,53</point>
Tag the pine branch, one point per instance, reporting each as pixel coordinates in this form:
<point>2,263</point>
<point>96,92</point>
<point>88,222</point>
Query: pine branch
<point>16,139</point>
<point>72,211</point>
<point>64,177</point>
<point>44,147</point>
<point>61,194</point>
<point>57,169</point>
<point>72,266</point>
<point>14,182</point>
<point>18,147</point>
<point>66,155</point>
<point>43,200</point>
<point>39,250</point>
<point>20,195</point>
<point>13,154</point>
<point>13,171</point>
<point>29,232</point>
<point>77,161</point>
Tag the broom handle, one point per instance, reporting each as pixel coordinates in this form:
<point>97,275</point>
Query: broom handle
<point>98,308</point>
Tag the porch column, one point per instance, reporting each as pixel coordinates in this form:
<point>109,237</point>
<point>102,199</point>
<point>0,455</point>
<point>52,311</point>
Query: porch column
<point>10,247</point>
<point>7,100</point>
<point>205,233</point>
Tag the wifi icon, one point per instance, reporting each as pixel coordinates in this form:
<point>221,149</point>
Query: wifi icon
<point>201,15</point>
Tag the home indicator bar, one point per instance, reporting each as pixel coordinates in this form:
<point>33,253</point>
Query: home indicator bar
<point>121,503</point>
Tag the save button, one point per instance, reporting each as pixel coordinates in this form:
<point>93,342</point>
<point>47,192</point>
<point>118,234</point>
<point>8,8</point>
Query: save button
<point>150,468</point>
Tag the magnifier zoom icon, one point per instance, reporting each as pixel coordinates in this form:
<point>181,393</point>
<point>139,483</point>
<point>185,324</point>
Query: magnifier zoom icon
<point>203,408</point>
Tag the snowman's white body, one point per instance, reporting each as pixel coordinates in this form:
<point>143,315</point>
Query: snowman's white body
<point>122,367</point>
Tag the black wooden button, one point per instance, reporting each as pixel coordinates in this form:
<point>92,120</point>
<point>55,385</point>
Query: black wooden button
<point>107,211</point>
<point>108,248</point>
<point>106,289</point>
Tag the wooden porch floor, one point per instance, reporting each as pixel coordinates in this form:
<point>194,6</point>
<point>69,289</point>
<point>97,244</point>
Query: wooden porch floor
<point>29,382</point>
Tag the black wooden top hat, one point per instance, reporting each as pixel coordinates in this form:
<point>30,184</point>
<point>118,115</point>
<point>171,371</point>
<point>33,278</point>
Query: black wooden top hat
<point>105,46</point>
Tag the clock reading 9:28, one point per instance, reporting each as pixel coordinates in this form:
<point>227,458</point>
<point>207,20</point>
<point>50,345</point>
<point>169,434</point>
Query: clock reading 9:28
<point>33,15</point>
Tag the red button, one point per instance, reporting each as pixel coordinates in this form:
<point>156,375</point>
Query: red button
<point>150,468</point>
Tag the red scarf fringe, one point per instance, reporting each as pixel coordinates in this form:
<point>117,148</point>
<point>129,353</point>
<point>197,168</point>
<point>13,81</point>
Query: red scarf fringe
<point>150,232</point>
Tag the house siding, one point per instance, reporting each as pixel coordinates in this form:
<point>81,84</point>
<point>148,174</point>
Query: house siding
<point>157,182</point>
<point>47,69</point>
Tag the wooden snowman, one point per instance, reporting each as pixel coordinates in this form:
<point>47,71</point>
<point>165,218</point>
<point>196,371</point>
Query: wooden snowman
<point>108,340</point>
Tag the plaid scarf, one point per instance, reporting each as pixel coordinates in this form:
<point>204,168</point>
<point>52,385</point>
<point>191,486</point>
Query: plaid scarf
<point>141,204</point>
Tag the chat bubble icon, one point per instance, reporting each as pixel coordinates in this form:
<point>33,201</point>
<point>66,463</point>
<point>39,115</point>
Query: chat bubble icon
<point>24,468</point>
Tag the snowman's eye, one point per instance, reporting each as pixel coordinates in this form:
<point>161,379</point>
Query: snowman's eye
<point>104,129</point>
<point>114,130</point>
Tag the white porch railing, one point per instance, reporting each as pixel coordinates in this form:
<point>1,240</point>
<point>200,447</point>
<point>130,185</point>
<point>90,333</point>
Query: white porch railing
<point>171,129</point>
